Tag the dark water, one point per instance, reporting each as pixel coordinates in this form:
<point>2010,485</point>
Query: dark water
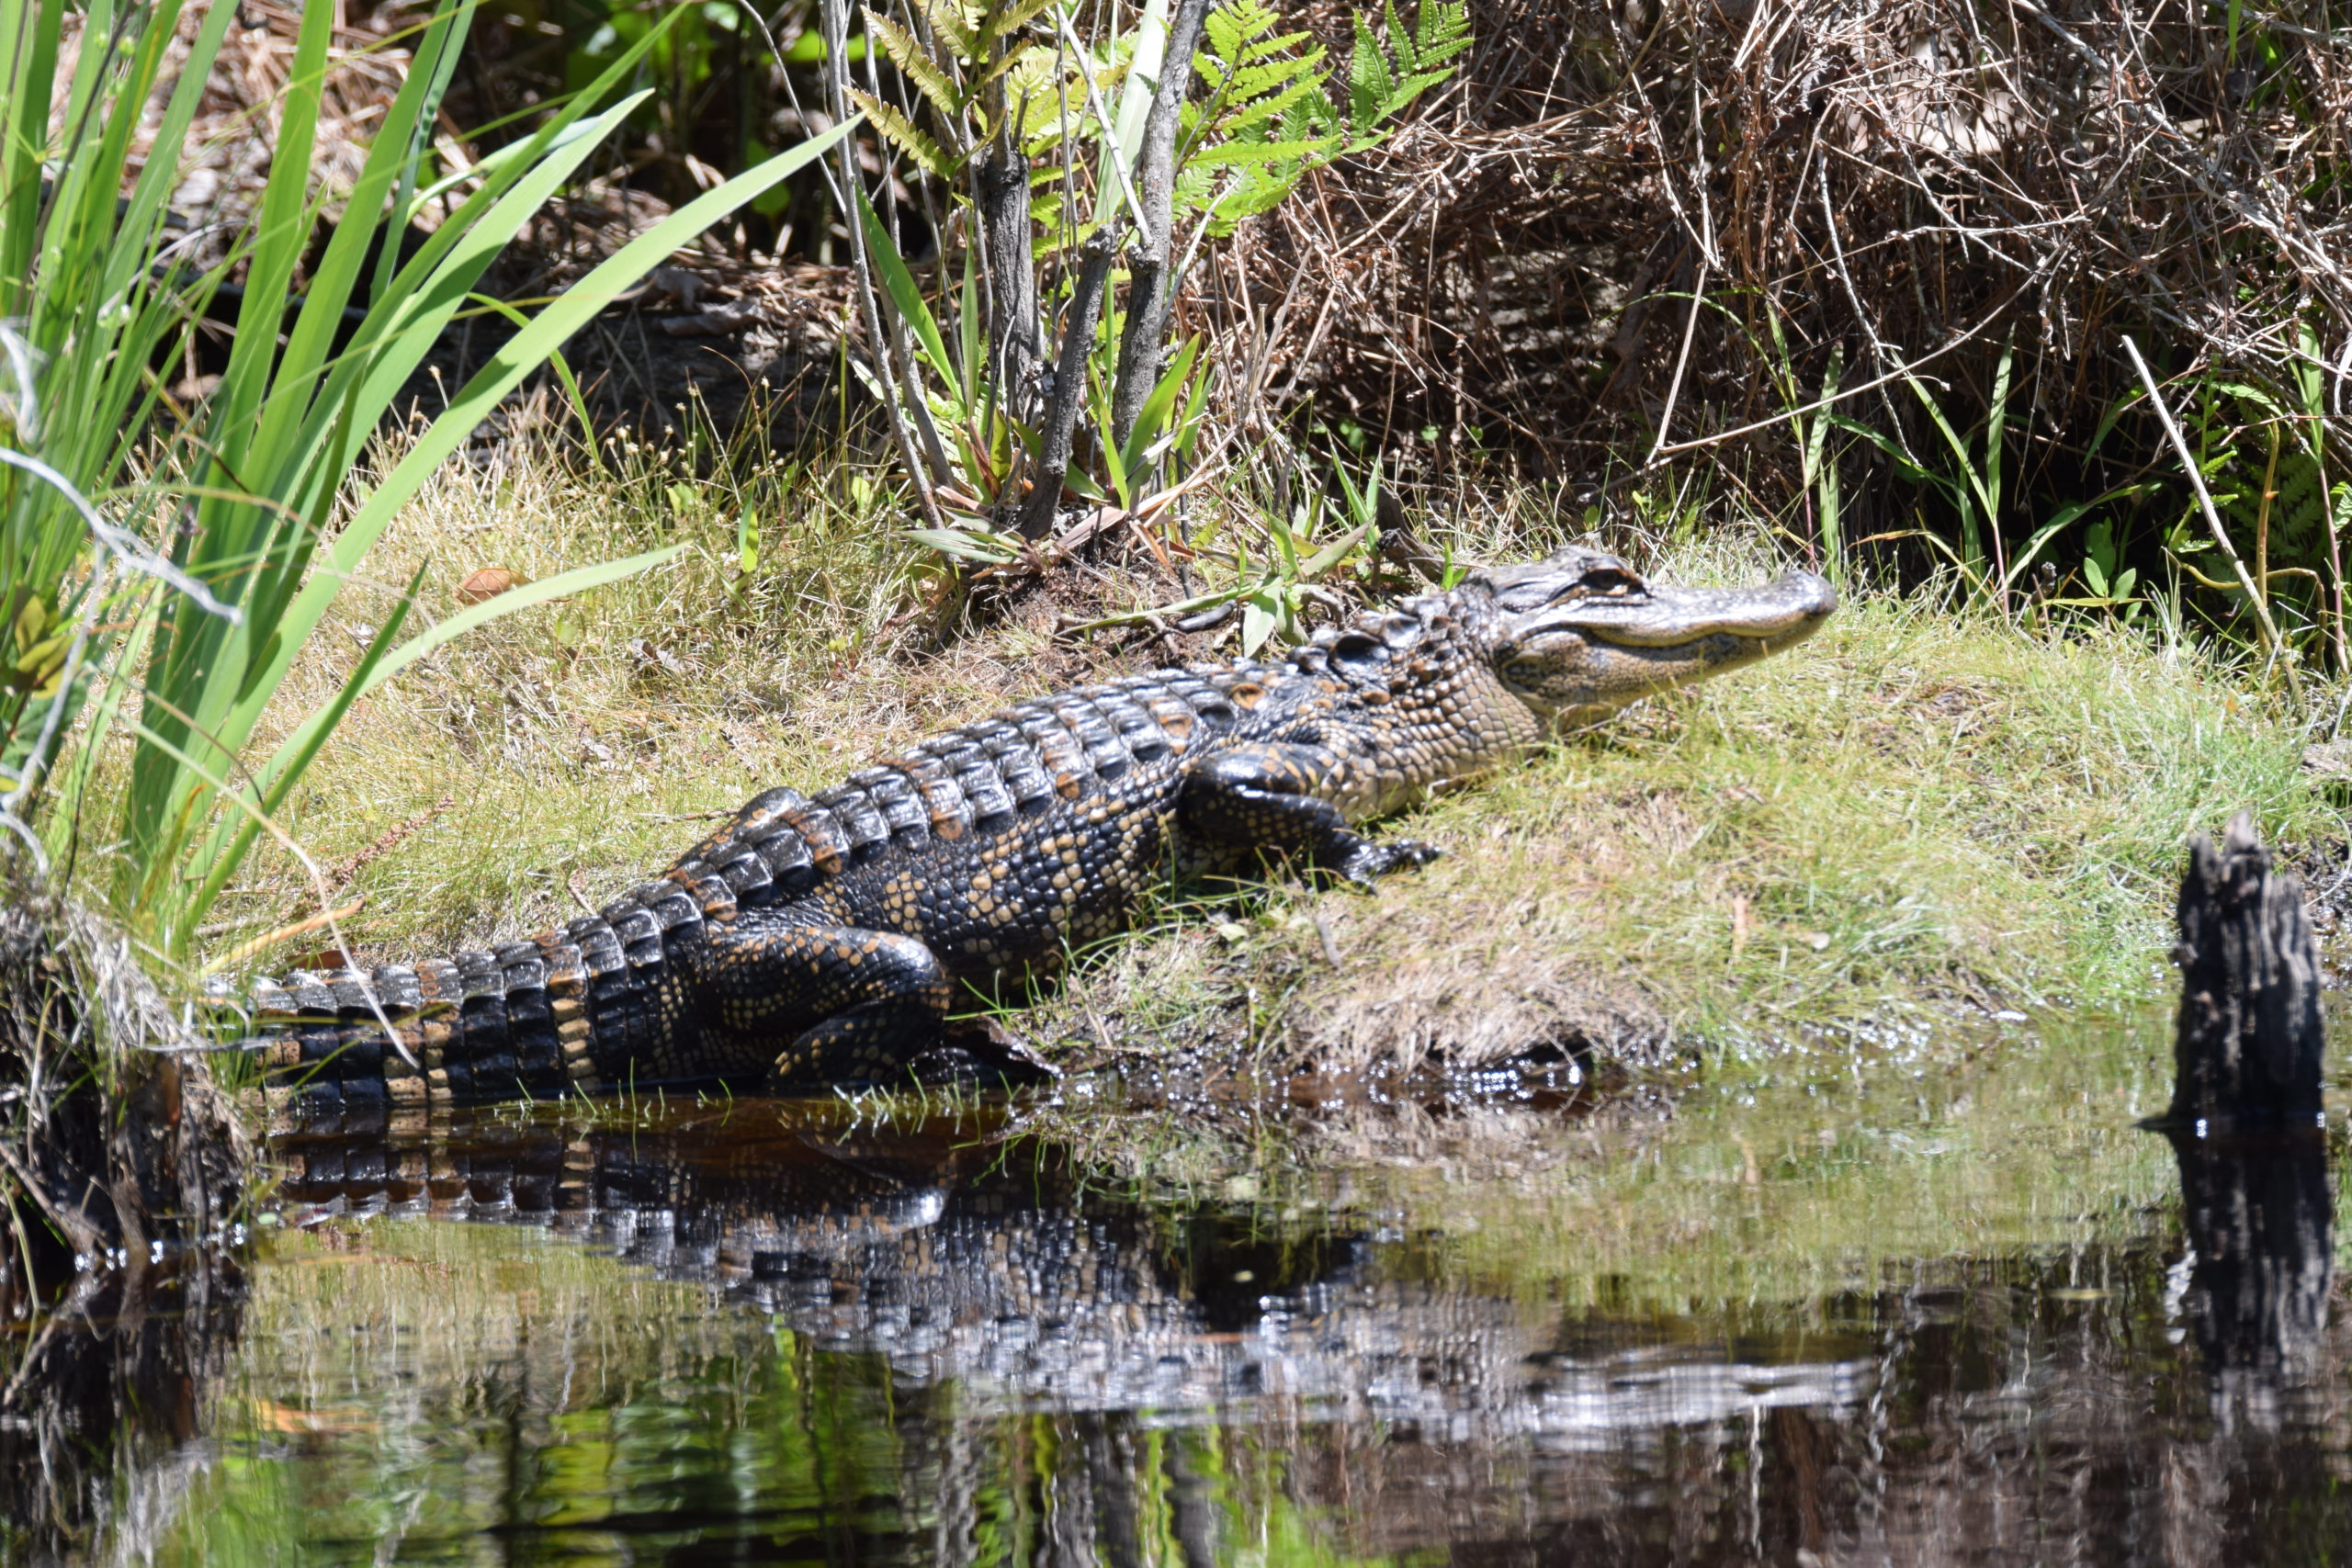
<point>1943,1309</point>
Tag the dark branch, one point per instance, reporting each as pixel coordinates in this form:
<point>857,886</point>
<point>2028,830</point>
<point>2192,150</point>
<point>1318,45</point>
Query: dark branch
<point>1141,348</point>
<point>1069,384</point>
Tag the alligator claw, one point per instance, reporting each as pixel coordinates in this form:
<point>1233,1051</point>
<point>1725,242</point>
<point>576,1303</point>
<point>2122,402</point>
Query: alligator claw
<point>1371,862</point>
<point>983,1051</point>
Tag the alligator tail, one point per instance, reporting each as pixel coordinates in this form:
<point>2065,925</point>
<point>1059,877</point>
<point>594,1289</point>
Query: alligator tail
<point>478,1025</point>
<point>601,1001</point>
<point>565,1011</point>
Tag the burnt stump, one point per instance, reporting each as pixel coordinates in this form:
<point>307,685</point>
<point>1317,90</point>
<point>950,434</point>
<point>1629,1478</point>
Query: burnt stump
<point>2249,1041</point>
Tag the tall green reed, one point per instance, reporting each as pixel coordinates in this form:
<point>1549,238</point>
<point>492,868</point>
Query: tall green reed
<point>163,566</point>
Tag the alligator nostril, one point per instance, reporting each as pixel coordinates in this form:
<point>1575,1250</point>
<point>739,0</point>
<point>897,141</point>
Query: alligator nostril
<point>1815,596</point>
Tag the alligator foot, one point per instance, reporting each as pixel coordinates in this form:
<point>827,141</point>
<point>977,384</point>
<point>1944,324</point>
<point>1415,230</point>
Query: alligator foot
<point>1367,862</point>
<point>983,1052</point>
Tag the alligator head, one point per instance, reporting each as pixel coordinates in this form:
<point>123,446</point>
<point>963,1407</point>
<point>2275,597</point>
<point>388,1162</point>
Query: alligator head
<point>1582,633</point>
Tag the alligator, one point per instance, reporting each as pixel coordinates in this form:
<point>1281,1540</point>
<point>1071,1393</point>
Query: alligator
<point>818,940</point>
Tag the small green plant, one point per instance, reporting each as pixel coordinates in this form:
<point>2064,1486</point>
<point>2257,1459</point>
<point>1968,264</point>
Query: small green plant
<point>1048,152</point>
<point>1272,594</point>
<point>1275,606</point>
<point>1810,421</point>
<point>1972,482</point>
<point>2109,584</point>
<point>2263,454</point>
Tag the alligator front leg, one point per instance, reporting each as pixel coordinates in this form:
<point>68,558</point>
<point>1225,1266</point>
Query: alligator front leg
<point>1275,797</point>
<point>824,1004</point>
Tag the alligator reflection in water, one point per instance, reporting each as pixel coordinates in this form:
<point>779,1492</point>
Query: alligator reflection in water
<point>958,1258</point>
<point>986,1363</point>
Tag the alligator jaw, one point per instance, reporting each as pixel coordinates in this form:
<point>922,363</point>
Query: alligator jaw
<point>1584,635</point>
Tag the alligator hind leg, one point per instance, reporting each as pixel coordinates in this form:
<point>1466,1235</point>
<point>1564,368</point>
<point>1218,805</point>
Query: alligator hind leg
<point>1269,797</point>
<point>823,1004</point>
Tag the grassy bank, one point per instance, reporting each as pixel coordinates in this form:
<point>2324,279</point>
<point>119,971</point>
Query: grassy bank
<point>1911,809</point>
<point>1914,809</point>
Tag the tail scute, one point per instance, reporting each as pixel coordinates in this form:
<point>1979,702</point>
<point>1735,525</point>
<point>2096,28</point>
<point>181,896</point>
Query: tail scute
<point>474,1025</point>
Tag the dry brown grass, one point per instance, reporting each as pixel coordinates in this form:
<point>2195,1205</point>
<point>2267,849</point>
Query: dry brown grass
<point>559,755</point>
<point>1906,184</point>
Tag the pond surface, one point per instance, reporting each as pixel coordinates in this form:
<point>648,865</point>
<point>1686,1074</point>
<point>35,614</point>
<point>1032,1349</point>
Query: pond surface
<point>1928,1302</point>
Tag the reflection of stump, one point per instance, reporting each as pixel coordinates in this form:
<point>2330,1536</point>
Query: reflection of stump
<point>2249,1041</point>
<point>2261,1224</point>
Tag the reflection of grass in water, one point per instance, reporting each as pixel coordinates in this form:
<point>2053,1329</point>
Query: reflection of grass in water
<point>424,1382</point>
<point>1841,1177</point>
<point>427,1378</point>
<point>1811,1173</point>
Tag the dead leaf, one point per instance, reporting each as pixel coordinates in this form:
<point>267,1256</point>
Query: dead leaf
<point>489,583</point>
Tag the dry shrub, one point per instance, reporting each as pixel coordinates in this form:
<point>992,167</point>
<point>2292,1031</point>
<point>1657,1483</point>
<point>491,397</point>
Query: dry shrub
<point>1903,184</point>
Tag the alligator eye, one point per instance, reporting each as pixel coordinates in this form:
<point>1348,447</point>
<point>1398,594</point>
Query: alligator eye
<point>1615,583</point>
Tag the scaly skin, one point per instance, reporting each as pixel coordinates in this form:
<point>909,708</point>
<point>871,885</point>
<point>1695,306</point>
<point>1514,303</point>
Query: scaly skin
<point>819,940</point>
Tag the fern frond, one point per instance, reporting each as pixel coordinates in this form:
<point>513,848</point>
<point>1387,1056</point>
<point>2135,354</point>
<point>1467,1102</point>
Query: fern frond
<point>1378,92</point>
<point>1441,31</point>
<point>903,134</point>
<point>1261,191</point>
<point>1231,26</point>
<point>1370,83</point>
<point>1250,123</point>
<point>1252,82</point>
<point>952,27</point>
<point>1233,154</point>
<point>1003,21</point>
<point>910,56</point>
<point>1194,189</point>
<point>1413,86</point>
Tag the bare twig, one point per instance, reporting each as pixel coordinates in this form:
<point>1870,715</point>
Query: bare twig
<point>1141,346</point>
<point>1069,383</point>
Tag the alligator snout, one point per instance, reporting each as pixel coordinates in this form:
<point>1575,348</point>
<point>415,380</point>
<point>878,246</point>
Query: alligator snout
<point>1595,637</point>
<point>1778,614</point>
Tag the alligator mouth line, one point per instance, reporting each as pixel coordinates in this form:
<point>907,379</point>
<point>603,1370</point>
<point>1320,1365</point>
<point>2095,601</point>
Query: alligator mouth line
<point>1776,616</point>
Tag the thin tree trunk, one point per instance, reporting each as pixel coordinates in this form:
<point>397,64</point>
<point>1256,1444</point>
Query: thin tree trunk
<point>833,17</point>
<point>1069,384</point>
<point>1141,348</point>
<point>1014,350</point>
